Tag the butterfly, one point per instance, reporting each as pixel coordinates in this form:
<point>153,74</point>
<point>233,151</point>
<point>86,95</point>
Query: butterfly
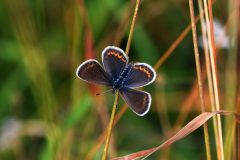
<point>121,75</point>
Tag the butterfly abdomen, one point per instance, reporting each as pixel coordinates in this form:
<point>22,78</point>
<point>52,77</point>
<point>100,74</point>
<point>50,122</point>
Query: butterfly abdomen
<point>119,82</point>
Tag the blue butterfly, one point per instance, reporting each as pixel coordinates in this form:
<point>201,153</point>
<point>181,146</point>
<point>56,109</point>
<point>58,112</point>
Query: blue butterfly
<point>122,76</point>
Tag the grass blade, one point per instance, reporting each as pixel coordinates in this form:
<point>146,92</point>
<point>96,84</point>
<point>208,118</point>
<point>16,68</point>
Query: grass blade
<point>189,128</point>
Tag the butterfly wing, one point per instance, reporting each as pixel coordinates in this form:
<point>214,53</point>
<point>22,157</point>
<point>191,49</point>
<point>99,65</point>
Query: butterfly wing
<point>138,101</point>
<point>91,71</point>
<point>114,61</point>
<point>140,75</point>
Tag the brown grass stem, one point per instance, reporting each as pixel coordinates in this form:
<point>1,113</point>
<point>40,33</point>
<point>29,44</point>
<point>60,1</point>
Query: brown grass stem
<point>212,55</point>
<point>199,76</point>
<point>173,46</point>
<point>104,156</point>
<point>206,51</point>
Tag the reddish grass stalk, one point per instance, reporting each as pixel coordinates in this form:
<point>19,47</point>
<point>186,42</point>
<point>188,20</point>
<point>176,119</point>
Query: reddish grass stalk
<point>199,75</point>
<point>172,47</point>
<point>212,55</point>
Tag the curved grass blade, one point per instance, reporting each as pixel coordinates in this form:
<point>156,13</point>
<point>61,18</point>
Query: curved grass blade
<point>189,128</point>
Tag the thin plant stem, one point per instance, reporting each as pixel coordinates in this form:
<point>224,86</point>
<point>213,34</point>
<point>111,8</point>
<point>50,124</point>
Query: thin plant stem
<point>199,75</point>
<point>101,138</point>
<point>121,30</point>
<point>172,47</point>
<point>214,74</point>
<point>237,123</point>
<point>208,67</point>
<point>104,156</point>
<point>212,55</point>
<point>132,26</point>
<point>231,81</point>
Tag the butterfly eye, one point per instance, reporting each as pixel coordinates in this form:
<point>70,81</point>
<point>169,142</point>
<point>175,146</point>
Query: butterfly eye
<point>113,90</point>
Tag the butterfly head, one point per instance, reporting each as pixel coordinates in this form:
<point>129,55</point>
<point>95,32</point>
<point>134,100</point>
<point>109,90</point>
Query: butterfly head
<point>114,90</point>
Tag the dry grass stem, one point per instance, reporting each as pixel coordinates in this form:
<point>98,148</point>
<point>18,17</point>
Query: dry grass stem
<point>211,44</point>
<point>199,76</point>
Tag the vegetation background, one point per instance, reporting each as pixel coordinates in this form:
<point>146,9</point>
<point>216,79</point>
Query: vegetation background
<point>47,113</point>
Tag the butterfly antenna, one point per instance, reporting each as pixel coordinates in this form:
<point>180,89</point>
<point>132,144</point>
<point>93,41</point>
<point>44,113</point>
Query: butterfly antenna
<point>104,92</point>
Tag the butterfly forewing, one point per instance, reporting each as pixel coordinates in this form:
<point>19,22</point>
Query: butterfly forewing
<point>140,75</point>
<point>114,61</point>
<point>138,101</point>
<point>120,75</point>
<point>92,72</point>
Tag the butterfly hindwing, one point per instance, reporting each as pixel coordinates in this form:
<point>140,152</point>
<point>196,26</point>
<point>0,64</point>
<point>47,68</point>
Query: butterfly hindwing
<point>114,61</point>
<point>140,75</point>
<point>138,101</point>
<point>120,75</point>
<point>92,72</point>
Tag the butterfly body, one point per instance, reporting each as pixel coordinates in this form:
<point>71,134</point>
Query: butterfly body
<point>120,81</point>
<point>122,76</point>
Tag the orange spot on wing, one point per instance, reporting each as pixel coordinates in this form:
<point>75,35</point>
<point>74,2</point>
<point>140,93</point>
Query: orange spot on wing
<point>145,100</point>
<point>117,55</point>
<point>144,69</point>
<point>88,67</point>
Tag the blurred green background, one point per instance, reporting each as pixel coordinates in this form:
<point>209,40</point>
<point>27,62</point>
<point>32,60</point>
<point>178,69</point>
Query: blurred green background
<point>46,112</point>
